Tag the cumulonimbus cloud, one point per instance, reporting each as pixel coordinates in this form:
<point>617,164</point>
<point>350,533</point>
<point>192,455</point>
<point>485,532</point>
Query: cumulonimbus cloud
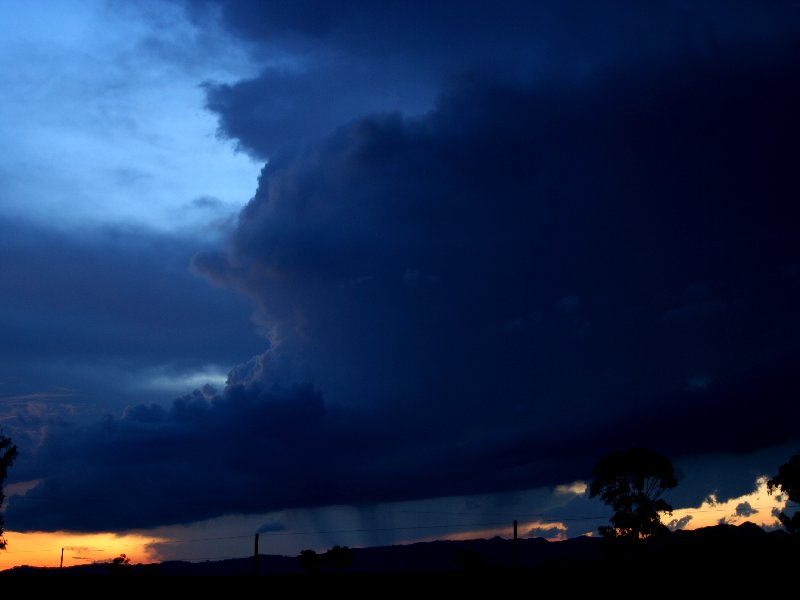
<point>474,300</point>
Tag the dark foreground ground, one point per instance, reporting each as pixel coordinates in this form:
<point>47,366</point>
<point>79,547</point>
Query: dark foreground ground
<point>713,560</point>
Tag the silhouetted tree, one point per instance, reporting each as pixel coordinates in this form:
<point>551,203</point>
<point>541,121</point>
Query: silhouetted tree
<point>120,565</point>
<point>8,452</point>
<point>632,482</point>
<point>788,481</point>
<point>339,557</point>
<point>309,561</point>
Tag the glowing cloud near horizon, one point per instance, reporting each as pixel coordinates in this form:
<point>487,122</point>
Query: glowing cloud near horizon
<point>761,510</point>
<point>576,487</point>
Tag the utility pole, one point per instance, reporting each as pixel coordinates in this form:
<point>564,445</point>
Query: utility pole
<point>255,558</point>
<point>515,548</point>
<point>62,560</point>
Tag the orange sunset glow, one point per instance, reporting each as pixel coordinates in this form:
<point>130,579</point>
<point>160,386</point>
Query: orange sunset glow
<point>43,549</point>
<point>756,507</point>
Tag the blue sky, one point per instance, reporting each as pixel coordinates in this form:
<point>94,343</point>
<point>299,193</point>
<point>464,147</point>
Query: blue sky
<point>106,98</point>
<point>390,256</point>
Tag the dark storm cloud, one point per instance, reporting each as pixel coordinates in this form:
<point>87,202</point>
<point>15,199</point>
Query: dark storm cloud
<point>252,447</point>
<point>645,220</point>
<point>157,465</point>
<point>75,306</point>
<point>331,62</point>
<point>452,34</point>
<point>681,523</point>
<point>545,532</point>
<point>744,509</point>
<point>485,298</point>
<point>293,108</point>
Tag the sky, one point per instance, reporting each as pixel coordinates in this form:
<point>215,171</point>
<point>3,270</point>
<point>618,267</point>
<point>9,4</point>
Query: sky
<point>365,273</point>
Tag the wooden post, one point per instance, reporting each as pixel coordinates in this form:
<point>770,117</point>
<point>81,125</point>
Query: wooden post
<point>515,548</point>
<point>255,558</point>
<point>62,559</point>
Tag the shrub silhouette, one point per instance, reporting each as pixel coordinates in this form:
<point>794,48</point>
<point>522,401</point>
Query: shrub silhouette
<point>120,565</point>
<point>309,561</point>
<point>339,557</point>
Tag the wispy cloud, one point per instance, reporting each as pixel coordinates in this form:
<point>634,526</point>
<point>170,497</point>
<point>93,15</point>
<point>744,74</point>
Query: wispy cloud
<point>36,396</point>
